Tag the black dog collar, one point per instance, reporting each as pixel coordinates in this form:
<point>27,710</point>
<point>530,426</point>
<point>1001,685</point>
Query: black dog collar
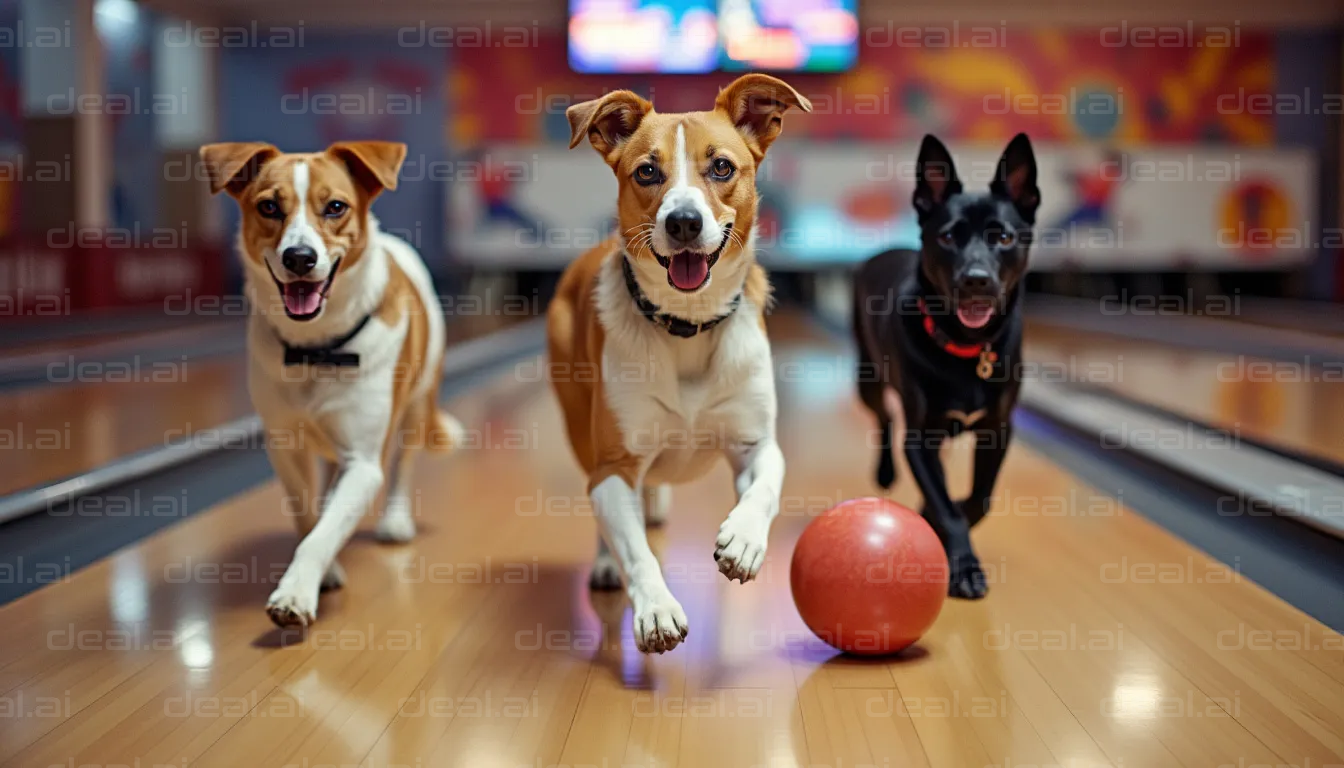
<point>674,325</point>
<point>327,354</point>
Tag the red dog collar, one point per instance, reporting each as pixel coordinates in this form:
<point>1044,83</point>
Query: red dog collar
<point>966,351</point>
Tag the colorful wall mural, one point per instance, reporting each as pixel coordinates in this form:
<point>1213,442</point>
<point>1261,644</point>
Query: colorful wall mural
<point>1158,147</point>
<point>960,81</point>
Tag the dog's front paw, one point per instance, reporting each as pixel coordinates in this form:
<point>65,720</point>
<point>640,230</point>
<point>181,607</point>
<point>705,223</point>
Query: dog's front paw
<point>740,547</point>
<point>606,574</point>
<point>290,608</point>
<point>660,624</point>
<point>967,579</point>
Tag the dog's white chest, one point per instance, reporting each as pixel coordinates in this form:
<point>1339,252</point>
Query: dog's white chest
<point>338,406</point>
<point>680,427</point>
<point>700,397</point>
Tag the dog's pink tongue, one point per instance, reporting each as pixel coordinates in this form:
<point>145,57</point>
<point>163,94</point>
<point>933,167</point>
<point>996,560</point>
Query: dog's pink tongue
<point>302,298</point>
<point>975,314</point>
<point>688,270</point>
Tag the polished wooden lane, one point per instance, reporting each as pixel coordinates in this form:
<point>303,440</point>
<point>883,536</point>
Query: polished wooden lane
<point>1319,317</point>
<point>105,333</point>
<point>94,412</point>
<point>1295,406</point>
<point>479,645</point>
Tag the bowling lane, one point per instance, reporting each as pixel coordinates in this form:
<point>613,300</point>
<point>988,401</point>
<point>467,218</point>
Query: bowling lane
<point>1323,318</point>
<point>113,330</point>
<point>480,644</point>
<point>114,334</point>
<point>1291,405</point>
<point>96,412</point>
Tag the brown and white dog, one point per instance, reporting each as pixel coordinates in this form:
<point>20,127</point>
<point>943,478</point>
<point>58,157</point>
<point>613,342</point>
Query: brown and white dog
<point>345,346</point>
<point>658,351</point>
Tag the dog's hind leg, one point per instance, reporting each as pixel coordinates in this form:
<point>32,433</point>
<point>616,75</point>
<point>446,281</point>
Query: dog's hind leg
<point>657,499</point>
<point>886,463</point>
<point>606,573</point>
<point>873,395</point>
<point>891,420</point>
<point>303,488</point>
<point>424,426</point>
<point>397,524</point>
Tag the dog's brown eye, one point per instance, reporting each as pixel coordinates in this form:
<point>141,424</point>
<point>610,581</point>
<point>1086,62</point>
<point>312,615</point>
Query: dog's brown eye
<point>947,239</point>
<point>1005,238</point>
<point>648,174</point>
<point>722,169</point>
<point>270,209</point>
<point>334,209</point>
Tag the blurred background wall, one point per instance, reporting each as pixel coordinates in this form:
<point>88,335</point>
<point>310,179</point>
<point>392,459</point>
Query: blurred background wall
<point>1183,140</point>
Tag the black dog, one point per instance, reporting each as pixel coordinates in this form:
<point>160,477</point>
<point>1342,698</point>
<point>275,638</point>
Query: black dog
<point>943,329</point>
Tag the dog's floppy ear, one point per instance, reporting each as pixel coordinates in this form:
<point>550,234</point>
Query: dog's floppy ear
<point>756,104</point>
<point>1016,177</point>
<point>607,121</point>
<point>232,166</point>
<point>935,176</point>
<point>373,164</point>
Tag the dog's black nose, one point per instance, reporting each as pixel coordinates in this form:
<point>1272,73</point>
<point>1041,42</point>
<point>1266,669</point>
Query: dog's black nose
<point>299,259</point>
<point>683,225</point>
<point>976,280</point>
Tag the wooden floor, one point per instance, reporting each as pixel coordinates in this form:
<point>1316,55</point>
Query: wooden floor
<point>479,645</point>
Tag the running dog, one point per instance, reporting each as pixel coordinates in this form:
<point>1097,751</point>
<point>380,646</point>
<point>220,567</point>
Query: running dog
<point>345,347</point>
<point>939,333</point>
<point>658,350</point>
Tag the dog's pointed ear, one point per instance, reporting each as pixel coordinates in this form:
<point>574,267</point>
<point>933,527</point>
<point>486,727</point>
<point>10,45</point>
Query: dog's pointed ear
<point>232,166</point>
<point>935,176</point>
<point>607,121</point>
<point>373,164</point>
<point>756,104</point>
<point>1015,178</point>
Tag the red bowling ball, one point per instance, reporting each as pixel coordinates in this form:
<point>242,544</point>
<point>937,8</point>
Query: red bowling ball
<point>869,576</point>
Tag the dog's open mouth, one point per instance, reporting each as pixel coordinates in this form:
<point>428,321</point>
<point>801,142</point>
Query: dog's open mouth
<point>303,299</point>
<point>975,312</point>
<point>688,271</point>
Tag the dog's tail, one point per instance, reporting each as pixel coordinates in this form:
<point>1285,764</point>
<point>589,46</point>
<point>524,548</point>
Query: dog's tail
<point>445,431</point>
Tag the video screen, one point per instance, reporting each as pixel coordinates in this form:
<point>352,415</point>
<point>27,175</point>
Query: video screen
<point>699,36</point>
<point>788,35</point>
<point>643,36</point>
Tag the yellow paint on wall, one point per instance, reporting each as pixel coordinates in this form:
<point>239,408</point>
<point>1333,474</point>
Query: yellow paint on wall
<point>976,72</point>
<point>1052,43</point>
